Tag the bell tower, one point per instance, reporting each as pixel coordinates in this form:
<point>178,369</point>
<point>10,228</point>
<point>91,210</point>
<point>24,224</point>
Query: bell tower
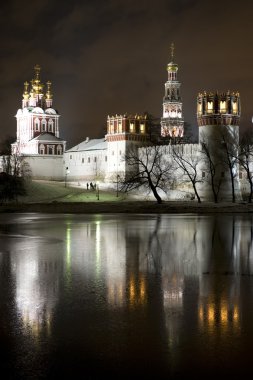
<point>172,122</point>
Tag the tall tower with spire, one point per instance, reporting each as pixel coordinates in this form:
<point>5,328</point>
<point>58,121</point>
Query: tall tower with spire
<point>172,122</point>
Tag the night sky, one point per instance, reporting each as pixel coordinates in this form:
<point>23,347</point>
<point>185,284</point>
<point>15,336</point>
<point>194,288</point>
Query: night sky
<point>108,57</point>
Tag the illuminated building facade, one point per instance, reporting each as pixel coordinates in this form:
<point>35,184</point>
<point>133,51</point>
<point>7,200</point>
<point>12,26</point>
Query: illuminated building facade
<point>38,138</point>
<point>37,121</point>
<point>218,116</point>
<point>172,122</point>
<point>103,159</point>
<point>218,109</point>
<point>123,132</point>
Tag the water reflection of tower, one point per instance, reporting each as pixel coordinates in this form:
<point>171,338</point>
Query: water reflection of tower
<point>37,277</point>
<point>246,246</point>
<point>103,258</point>
<point>136,282</point>
<point>164,261</point>
<point>181,267</point>
<point>219,294</point>
<point>144,295</point>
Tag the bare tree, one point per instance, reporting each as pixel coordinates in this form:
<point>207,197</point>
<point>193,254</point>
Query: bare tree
<point>6,164</point>
<point>149,169</point>
<point>230,156</point>
<point>189,165</point>
<point>245,159</point>
<point>213,167</point>
<point>220,151</point>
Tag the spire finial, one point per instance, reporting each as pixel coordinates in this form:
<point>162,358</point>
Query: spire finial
<point>172,48</point>
<point>37,69</point>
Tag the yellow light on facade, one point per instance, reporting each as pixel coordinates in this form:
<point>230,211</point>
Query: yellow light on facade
<point>119,126</point>
<point>234,107</point>
<point>142,128</point>
<point>210,107</point>
<point>223,106</point>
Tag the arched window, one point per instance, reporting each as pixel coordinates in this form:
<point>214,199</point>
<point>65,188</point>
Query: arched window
<point>42,149</point>
<point>59,149</point>
<point>142,128</point>
<point>200,108</point>
<point>210,107</point>
<point>111,127</point>
<point>50,126</point>
<point>223,106</point>
<point>119,126</point>
<point>37,124</point>
<point>44,125</point>
<point>132,127</point>
<point>234,107</point>
<point>50,149</point>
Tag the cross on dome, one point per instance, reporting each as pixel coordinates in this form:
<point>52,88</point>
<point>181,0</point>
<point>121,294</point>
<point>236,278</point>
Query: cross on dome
<point>172,48</point>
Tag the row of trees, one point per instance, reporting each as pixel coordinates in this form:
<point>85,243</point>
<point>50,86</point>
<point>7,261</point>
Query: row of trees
<point>153,169</point>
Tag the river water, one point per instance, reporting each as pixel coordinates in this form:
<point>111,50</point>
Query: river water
<point>126,296</point>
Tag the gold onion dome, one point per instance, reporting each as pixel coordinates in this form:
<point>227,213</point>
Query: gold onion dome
<point>172,67</point>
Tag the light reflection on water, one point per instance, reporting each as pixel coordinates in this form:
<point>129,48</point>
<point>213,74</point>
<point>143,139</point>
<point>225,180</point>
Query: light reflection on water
<point>166,295</point>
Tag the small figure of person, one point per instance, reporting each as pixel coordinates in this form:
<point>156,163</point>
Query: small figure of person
<point>91,186</point>
<point>87,186</point>
<point>94,186</point>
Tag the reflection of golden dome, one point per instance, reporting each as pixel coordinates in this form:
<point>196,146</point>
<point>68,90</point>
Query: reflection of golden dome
<point>172,67</point>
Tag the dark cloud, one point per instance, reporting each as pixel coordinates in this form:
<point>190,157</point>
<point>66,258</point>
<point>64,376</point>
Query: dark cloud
<point>108,57</point>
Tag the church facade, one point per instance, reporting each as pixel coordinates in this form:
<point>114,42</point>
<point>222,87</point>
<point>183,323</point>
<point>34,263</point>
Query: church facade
<point>39,143</point>
<point>38,136</point>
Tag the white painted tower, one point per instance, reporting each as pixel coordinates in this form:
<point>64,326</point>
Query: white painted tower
<point>123,132</point>
<point>218,116</point>
<point>172,122</point>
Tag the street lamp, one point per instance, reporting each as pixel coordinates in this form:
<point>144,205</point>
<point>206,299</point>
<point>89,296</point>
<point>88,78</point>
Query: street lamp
<point>66,173</point>
<point>98,191</point>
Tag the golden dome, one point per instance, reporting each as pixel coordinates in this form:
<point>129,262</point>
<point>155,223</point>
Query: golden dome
<point>172,67</point>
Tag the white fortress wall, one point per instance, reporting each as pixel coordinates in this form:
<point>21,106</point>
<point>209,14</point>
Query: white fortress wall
<point>85,165</point>
<point>46,167</point>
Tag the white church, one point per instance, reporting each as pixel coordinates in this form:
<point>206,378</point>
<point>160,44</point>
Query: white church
<point>40,146</point>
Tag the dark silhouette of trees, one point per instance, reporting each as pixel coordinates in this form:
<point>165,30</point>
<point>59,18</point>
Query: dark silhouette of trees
<point>15,172</point>
<point>11,187</point>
